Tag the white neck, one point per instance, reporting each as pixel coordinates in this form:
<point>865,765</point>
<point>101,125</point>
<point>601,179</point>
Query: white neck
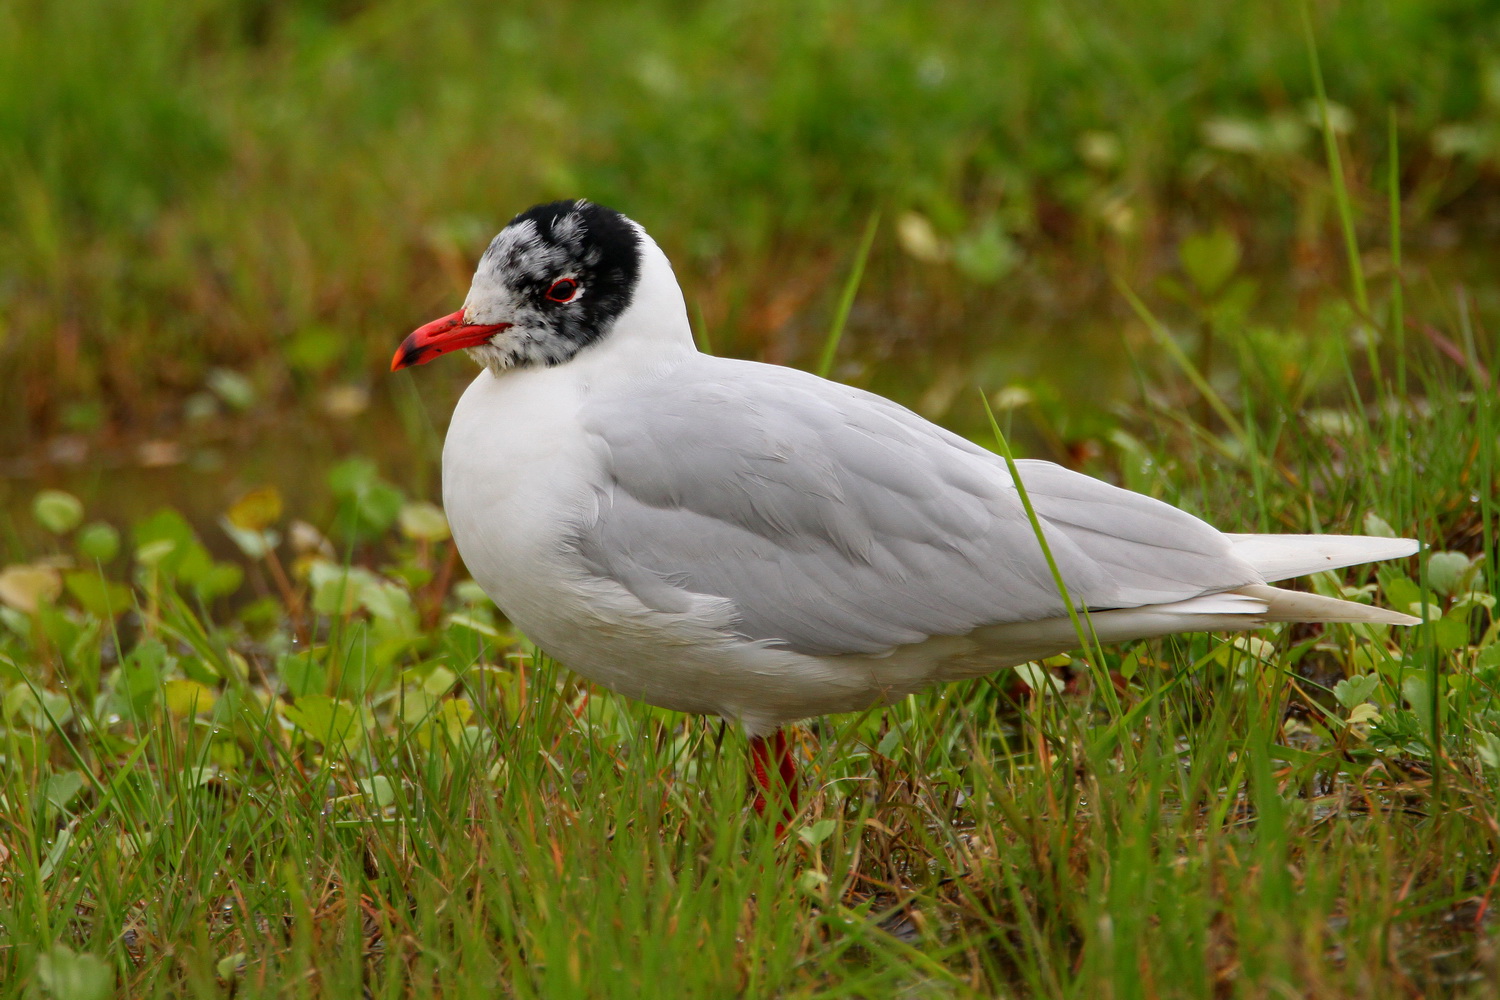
<point>656,321</point>
<point>651,334</point>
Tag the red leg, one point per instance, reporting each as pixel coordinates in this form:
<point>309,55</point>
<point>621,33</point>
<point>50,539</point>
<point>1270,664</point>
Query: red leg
<point>787,766</point>
<point>760,757</point>
<point>762,753</point>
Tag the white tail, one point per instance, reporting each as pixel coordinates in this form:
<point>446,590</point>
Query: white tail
<point>1298,606</point>
<point>1281,557</point>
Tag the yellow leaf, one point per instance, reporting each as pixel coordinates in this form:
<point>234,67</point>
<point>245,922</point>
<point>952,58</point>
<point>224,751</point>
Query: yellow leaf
<point>25,587</point>
<point>256,510</point>
<point>423,521</point>
<point>186,698</point>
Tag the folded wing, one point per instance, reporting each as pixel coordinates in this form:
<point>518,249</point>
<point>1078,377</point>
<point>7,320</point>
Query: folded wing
<point>836,521</point>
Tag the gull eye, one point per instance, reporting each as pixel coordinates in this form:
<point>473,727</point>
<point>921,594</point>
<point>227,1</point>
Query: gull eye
<point>563,290</point>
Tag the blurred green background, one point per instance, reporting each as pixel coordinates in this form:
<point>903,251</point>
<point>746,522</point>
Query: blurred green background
<point>220,216</point>
<point>259,736</point>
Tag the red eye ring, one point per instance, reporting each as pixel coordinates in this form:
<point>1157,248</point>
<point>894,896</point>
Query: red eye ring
<point>563,290</point>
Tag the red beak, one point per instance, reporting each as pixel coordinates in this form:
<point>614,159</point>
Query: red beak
<point>439,337</point>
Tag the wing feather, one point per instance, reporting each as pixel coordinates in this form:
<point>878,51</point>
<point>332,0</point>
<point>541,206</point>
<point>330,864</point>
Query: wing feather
<point>836,521</point>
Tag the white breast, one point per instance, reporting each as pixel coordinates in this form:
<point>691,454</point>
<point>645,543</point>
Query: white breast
<point>519,477</point>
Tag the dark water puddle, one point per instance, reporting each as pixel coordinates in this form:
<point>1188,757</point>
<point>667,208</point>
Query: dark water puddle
<point>200,467</point>
<point>204,467</point>
<point>1068,363</point>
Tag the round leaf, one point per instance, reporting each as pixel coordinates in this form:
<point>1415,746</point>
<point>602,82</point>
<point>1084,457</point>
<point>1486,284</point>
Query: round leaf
<point>256,510</point>
<point>423,521</point>
<point>98,541</point>
<point>1446,571</point>
<point>57,511</point>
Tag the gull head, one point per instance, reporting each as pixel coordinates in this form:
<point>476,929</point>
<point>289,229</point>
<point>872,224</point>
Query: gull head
<point>550,285</point>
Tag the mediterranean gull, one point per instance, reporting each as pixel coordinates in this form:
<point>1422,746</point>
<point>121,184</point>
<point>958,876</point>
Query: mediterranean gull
<point>755,542</point>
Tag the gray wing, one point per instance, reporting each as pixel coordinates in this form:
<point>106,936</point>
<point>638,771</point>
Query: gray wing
<point>839,522</point>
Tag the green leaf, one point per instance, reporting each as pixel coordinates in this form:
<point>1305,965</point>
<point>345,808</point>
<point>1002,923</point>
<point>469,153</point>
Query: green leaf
<point>470,592</point>
<point>167,543</point>
<point>1352,691</point>
<point>817,832</point>
<point>219,579</point>
<point>440,681</point>
<point>1210,259</point>
<point>368,505</point>
<point>1400,591</point>
<point>314,349</point>
<point>57,511</point>
<point>352,477</point>
<point>424,521</point>
<point>58,853</point>
<point>338,590</point>
<point>152,554</point>
<point>36,708</point>
<point>96,595</point>
<point>230,966</point>
<point>812,882</point>
<point>373,511</point>
<point>448,722</point>
<point>1448,572</point>
<point>62,788</point>
<point>378,789</point>
<point>98,541</point>
<point>417,705</point>
<point>139,679</point>
<point>1450,632</point>
<point>65,974</point>
<point>987,254</point>
<point>206,672</point>
<point>336,724</point>
<point>391,609</point>
<point>302,674</point>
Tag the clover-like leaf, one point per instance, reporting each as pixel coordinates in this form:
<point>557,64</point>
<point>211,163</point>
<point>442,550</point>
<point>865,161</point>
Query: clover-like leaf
<point>1356,690</point>
<point>1448,572</point>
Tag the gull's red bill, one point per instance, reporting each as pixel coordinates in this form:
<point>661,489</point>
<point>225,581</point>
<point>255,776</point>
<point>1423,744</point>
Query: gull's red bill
<point>439,337</point>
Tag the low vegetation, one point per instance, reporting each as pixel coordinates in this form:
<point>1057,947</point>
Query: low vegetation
<point>282,746</point>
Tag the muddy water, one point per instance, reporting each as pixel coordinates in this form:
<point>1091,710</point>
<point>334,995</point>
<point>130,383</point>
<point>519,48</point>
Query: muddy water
<point>922,351</point>
<point>201,466</point>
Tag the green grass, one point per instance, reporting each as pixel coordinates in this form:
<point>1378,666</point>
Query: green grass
<point>273,759</point>
<point>421,811</point>
<point>285,189</point>
<point>363,780</point>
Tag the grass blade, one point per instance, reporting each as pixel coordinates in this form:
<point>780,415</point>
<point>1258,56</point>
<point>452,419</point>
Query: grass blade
<point>846,297</point>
